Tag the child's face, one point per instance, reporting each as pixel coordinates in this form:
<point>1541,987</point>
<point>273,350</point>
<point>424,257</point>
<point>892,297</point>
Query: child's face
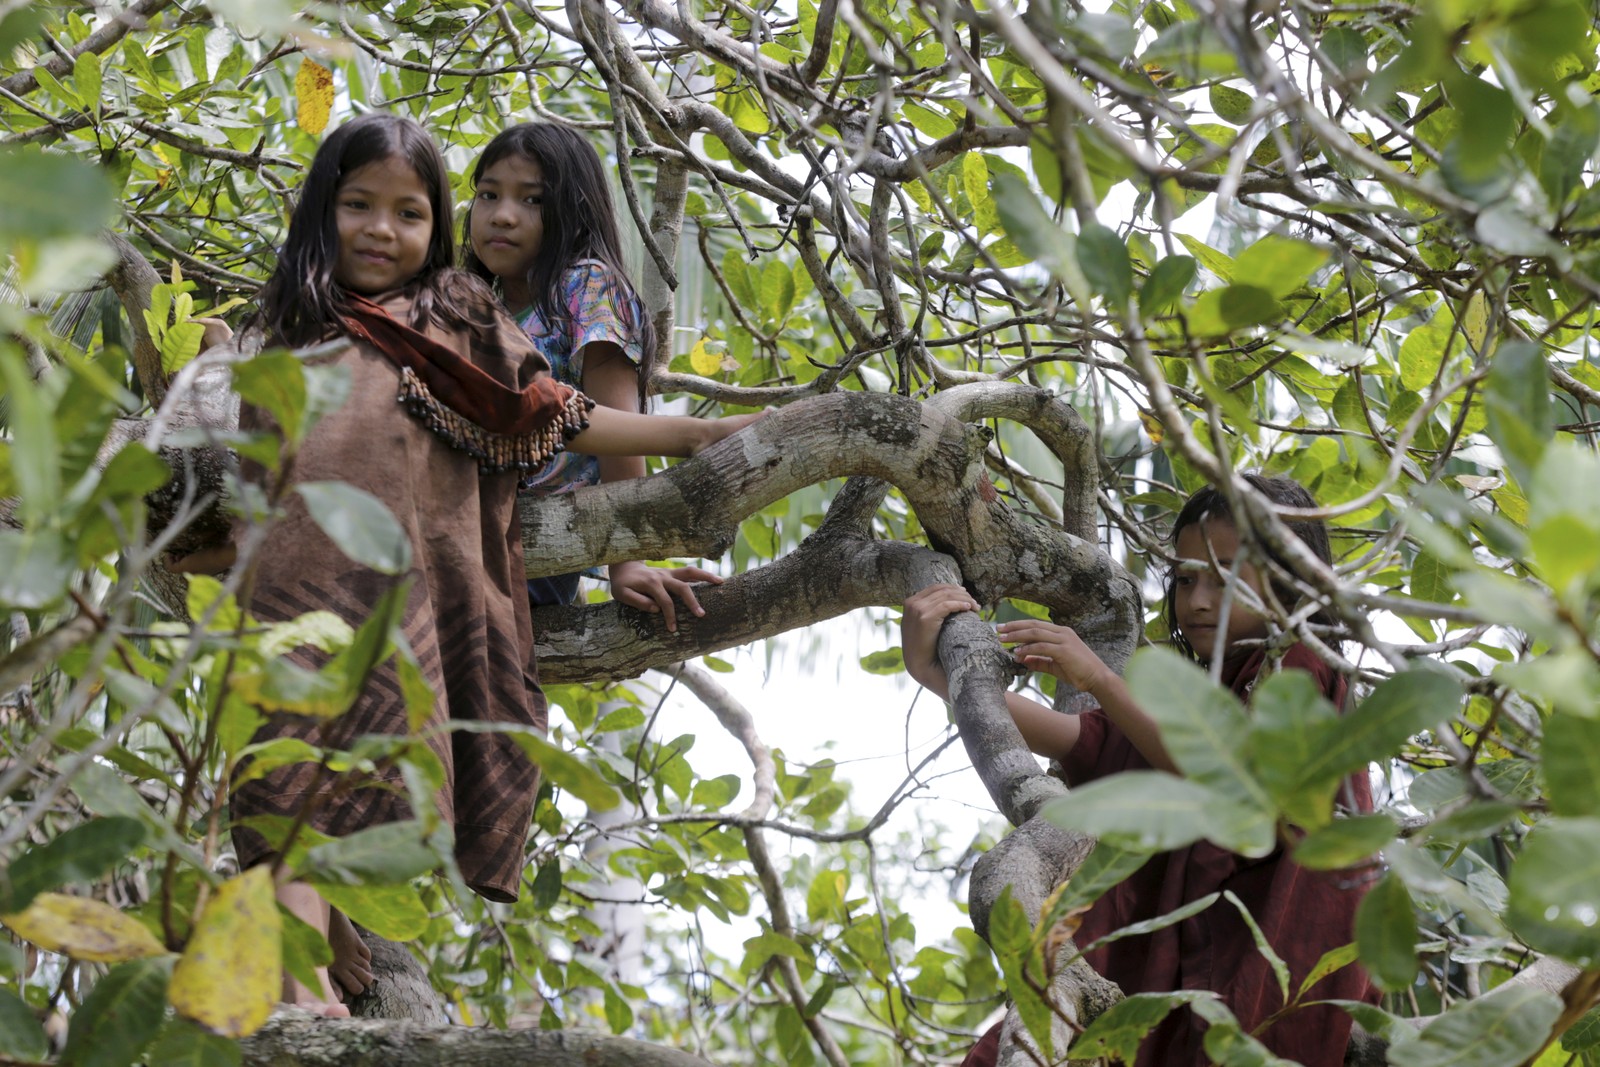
<point>508,222</point>
<point>385,224</point>
<point>1198,592</point>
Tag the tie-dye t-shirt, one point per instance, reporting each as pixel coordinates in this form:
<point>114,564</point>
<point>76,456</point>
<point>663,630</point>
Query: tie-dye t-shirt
<point>596,297</point>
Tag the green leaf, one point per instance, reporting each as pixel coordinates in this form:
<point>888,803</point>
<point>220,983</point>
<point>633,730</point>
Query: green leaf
<point>1555,889</point>
<point>1506,1025</point>
<point>825,897</point>
<point>884,661</point>
<point>1290,718</point>
<point>35,567</point>
<point>121,1015</point>
<point>1011,936</point>
<point>1572,144</point>
<point>1571,752</point>
<point>276,382</point>
<point>1401,706</point>
<point>547,886</point>
<point>1345,842</point>
<point>35,452</point>
<point>1386,931</point>
<point>1202,725</point>
<point>769,943</point>
<point>1517,399</point>
<point>185,1044</point>
<point>48,195</point>
<point>1217,312</point>
<point>627,718</point>
<point>86,79</point>
<point>1108,865</point>
<point>927,121</point>
<point>390,853</point>
<point>22,1036</point>
<point>359,523</point>
<point>1216,262</point>
<point>1166,285</point>
<point>1194,48</point>
<point>1280,970</point>
<point>714,794</point>
<point>1584,1034</point>
<point>975,179</point>
<point>1332,960</point>
<point>1156,811</point>
<point>1430,579</point>
<point>1033,230</point>
<point>1227,1045</point>
<point>567,771</point>
<point>391,911</point>
<point>304,948</point>
<point>1507,229</point>
<point>1231,105</point>
<point>1105,263</point>
<point>1118,1032</point>
<point>1279,265</point>
<point>619,1014</point>
<point>82,854</point>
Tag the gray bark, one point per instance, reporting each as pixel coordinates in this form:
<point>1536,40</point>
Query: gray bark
<point>296,1039</point>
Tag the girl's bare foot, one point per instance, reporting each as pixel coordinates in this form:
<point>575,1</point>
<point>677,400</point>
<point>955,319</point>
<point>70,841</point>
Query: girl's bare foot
<point>309,906</point>
<point>351,969</point>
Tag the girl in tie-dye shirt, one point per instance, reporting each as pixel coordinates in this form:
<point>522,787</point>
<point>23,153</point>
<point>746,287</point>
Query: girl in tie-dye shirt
<point>542,229</point>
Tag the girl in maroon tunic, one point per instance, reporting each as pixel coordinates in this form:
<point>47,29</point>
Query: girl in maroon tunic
<point>368,258</point>
<point>1302,913</point>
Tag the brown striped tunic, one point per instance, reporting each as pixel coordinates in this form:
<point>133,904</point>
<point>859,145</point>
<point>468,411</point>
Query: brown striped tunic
<point>466,617</point>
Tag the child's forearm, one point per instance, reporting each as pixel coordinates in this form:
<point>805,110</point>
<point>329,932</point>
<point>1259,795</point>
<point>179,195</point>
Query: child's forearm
<point>620,468</point>
<point>624,433</point>
<point>1047,732</point>
<point>1120,707</point>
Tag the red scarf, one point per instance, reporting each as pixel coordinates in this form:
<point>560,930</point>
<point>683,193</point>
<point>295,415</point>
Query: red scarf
<point>503,428</point>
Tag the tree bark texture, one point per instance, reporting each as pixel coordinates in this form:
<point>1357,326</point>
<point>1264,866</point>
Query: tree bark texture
<point>296,1039</point>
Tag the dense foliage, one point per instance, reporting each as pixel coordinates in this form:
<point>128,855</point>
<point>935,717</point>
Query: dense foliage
<point>1350,242</point>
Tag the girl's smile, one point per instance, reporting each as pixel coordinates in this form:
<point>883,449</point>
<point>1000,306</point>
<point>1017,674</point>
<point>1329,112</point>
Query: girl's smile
<point>508,223</point>
<point>385,225</point>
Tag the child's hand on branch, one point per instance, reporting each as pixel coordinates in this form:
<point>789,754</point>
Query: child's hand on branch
<point>925,612</point>
<point>1057,650</point>
<point>652,589</point>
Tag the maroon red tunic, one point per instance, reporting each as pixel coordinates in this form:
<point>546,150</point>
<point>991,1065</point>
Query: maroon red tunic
<point>1302,913</point>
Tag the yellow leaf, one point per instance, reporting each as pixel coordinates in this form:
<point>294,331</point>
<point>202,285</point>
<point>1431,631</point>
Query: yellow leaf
<point>83,929</point>
<point>1475,320</point>
<point>1152,427</point>
<point>231,974</point>
<point>313,88</point>
<point>704,361</point>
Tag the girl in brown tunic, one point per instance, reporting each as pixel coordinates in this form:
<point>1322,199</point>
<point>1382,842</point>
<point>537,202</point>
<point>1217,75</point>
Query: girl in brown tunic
<point>368,257</point>
<point>1302,913</point>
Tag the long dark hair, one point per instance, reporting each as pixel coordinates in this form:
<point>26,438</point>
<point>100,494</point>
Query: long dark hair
<point>301,300</point>
<point>580,222</point>
<point>1210,503</point>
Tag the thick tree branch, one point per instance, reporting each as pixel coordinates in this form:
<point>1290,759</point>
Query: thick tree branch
<point>297,1039</point>
<point>101,40</point>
